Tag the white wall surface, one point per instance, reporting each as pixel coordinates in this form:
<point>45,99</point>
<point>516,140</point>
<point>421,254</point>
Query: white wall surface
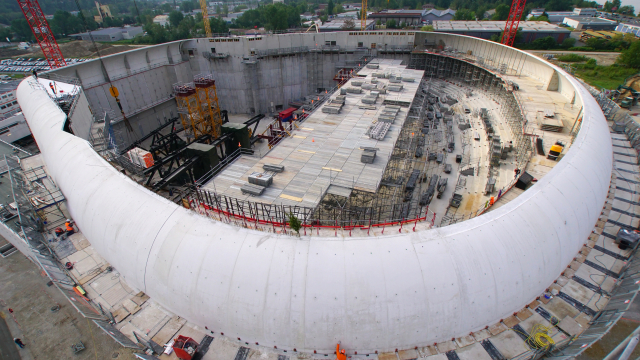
<point>370,293</point>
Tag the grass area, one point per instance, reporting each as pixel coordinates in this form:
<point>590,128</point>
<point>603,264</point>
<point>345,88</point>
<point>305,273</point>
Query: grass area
<point>608,77</point>
<point>119,42</point>
<point>572,58</point>
<point>14,75</point>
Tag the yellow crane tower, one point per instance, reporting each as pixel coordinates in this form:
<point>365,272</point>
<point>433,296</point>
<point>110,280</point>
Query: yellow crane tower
<point>205,18</point>
<point>363,16</point>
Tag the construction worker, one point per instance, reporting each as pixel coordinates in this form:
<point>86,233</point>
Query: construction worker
<point>69,227</point>
<point>341,354</point>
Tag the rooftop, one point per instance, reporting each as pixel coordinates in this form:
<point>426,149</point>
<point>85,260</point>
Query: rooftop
<point>591,20</point>
<point>459,25</point>
<point>6,86</point>
<point>111,30</point>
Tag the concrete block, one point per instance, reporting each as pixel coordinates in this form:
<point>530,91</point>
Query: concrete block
<point>387,356</point>
<point>570,326</point>
<point>524,314</point>
<point>496,329</point>
<point>445,346</point>
<point>482,335</point>
<point>562,281</point>
<point>465,341</point>
<point>534,304</point>
<point>511,321</point>
<point>407,354</point>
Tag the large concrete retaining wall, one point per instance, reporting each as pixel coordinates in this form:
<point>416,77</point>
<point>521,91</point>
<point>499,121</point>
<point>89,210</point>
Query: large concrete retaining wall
<point>370,293</point>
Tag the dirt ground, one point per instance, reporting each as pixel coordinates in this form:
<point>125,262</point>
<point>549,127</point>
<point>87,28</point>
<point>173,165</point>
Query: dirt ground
<point>634,83</point>
<point>73,49</point>
<point>603,58</point>
<point>47,334</point>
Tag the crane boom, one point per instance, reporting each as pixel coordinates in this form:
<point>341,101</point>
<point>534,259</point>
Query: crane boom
<point>205,18</point>
<point>42,32</point>
<point>511,27</point>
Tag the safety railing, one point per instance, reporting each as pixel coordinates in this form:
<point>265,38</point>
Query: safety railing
<point>277,217</point>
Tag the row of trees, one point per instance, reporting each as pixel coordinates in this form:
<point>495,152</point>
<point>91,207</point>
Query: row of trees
<point>271,17</point>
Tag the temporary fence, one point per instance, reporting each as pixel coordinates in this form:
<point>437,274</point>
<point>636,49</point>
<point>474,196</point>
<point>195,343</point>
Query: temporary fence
<point>277,216</point>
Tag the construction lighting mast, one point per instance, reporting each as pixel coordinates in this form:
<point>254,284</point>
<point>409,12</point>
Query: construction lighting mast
<point>363,16</point>
<point>511,28</point>
<point>40,28</point>
<point>205,18</point>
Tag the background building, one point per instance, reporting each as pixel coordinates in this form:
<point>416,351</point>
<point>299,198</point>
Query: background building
<point>589,23</point>
<point>161,20</point>
<point>111,34</point>
<point>585,11</point>
<point>629,28</point>
<point>531,30</point>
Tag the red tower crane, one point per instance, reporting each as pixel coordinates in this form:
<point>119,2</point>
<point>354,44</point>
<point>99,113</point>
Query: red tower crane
<point>35,17</point>
<point>511,28</point>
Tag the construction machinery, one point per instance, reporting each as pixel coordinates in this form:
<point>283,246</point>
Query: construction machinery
<point>198,107</point>
<point>42,32</point>
<point>205,18</point>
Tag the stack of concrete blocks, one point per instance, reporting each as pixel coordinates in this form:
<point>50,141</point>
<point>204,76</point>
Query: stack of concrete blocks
<point>368,86</point>
<point>370,99</point>
<point>395,79</point>
<point>379,130</point>
<point>381,88</point>
<point>334,106</point>
<point>373,66</point>
<point>368,155</point>
<point>408,79</point>
<point>378,75</point>
<point>395,87</point>
<point>261,179</point>
<point>389,114</point>
<point>357,82</point>
<point>353,90</point>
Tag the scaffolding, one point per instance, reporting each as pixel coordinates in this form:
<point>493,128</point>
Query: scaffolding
<point>198,107</point>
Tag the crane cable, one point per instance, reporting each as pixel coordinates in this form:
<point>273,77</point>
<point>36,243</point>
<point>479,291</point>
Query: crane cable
<point>112,88</point>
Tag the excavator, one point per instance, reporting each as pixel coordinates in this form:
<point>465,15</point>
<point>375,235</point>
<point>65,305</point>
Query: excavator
<point>628,101</point>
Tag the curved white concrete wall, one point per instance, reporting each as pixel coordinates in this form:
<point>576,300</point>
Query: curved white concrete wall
<point>375,293</point>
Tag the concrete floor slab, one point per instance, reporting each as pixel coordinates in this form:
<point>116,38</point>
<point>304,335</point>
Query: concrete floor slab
<point>465,341</point>
<point>559,308</point>
<point>445,346</point>
<point>220,349</point>
<point>169,330</point>
<point>481,335</point>
<point>437,357</point>
<point>407,354</point>
<point>509,344</point>
<point>473,352</point>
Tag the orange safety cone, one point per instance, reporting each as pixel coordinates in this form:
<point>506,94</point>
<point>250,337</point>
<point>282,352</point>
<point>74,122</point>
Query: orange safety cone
<point>313,140</point>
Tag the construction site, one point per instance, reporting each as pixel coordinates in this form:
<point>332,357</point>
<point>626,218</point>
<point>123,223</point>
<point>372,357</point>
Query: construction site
<point>402,194</point>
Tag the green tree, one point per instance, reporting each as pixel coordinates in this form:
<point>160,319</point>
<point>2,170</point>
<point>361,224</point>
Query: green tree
<point>391,24</point>
<point>627,10</point>
<point>545,43</point>
<point>5,33</point>
<point>631,56</point>
<point>175,17</point>
<point>330,6</point>
<point>464,14</point>
<point>427,28</point>
<point>63,23</point>
<point>568,43</point>
<point>225,10</point>
<point>218,26</point>
<point>348,24</point>
<point>294,223</point>
<point>502,12</point>
<point>324,18</point>
<point>539,18</point>
<point>22,29</point>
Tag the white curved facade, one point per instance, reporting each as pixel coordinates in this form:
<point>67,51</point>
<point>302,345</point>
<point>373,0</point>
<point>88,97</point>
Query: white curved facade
<point>369,293</point>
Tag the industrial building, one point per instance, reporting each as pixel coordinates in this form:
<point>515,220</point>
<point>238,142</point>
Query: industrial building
<point>111,34</point>
<point>629,28</point>
<point>554,16</point>
<point>589,23</point>
<point>338,24</point>
<point>531,30</point>
<point>403,194</point>
<point>413,17</point>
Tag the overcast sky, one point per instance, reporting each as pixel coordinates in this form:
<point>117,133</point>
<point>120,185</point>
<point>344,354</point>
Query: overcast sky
<point>634,3</point>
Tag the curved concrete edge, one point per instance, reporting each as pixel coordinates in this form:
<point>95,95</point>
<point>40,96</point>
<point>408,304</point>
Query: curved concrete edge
<point>378,293</point>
